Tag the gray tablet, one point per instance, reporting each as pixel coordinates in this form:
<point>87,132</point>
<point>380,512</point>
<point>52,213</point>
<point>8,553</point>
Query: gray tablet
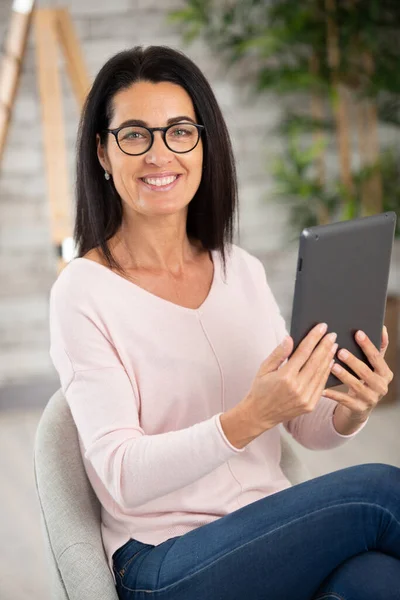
<point>342,278</point>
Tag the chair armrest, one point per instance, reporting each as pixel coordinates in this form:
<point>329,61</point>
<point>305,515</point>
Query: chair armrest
<point>94,580</point>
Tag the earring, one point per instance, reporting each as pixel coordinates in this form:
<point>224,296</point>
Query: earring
<point>107,175</point>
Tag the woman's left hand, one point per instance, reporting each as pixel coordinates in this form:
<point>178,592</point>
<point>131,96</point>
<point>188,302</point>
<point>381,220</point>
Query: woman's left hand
<point>362,396</point>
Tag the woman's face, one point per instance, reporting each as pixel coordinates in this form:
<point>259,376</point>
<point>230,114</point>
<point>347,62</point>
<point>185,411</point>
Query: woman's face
<point>156,105</point>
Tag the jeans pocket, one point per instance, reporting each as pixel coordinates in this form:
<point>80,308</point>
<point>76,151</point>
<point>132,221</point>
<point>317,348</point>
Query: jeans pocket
<point>129,552</point>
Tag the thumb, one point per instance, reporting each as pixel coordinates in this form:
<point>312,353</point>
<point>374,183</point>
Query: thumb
<point>278,356</point>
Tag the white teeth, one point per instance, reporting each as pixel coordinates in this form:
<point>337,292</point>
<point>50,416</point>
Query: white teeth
<point>160,181</point>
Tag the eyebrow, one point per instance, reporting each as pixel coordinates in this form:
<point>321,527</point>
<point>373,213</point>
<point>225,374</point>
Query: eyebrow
<point>140,123</point>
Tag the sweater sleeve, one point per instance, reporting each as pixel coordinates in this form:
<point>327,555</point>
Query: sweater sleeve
<point>314,430</point>
<point>134,467</point>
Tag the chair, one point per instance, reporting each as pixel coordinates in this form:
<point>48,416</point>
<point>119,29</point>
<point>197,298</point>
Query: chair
<point>70,511</point>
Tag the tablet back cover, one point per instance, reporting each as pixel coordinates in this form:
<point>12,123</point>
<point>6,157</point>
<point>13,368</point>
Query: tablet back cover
<point>342,277</point>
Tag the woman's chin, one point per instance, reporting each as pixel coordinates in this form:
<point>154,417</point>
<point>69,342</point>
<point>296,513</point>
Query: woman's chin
<point>156,206</point>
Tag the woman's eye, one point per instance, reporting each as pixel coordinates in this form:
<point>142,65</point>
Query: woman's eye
<point>180,132</point>
<point>132,135</point>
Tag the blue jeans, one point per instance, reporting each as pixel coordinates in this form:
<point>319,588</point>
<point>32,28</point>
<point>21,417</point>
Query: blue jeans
<point>335,537</point>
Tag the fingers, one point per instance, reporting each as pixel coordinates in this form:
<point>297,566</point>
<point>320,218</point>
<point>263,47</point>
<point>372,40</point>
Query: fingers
<point>376,382</point>
<point>277,357</point>
<point>321,356</point>
<point>385,340</point>
<point>318,383</point>
<point>306,348</point>
<point>374,356</point>
<point>317,369</point>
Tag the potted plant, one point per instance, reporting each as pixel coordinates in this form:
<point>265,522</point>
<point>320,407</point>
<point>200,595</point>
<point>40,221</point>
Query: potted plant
<point>339,61</point>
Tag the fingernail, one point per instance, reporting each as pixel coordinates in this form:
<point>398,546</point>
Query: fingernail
<point>361,335</point>
<point>322,328</point>
<point>285,343</point>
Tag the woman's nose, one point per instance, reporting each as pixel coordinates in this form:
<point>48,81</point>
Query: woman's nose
<point>159,154</point>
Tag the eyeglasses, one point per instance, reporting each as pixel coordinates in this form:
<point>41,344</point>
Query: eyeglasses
<point>179,137</point>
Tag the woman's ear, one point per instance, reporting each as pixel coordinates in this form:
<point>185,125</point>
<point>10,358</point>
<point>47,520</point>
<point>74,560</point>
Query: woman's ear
<point>102,155</point>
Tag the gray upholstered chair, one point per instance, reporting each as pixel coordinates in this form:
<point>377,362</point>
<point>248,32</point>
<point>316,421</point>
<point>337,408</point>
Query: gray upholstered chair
<point>70,511</point>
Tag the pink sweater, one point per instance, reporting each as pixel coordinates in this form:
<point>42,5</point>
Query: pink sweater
<point>147,380</point>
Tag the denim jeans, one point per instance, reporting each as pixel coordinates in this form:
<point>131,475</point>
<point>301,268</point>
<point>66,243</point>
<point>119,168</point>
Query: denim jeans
<point>335,537</point>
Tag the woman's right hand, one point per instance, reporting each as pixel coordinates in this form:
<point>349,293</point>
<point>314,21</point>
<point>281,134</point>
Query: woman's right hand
<point>280,394</point>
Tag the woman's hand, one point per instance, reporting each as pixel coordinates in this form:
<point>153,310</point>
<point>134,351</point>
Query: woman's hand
<point>281,392</point>
<point>361,397</point>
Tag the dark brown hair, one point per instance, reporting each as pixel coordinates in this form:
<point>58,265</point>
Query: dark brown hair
<point>99,212</point>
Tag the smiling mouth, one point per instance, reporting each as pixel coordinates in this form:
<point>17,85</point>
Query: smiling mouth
<point>160,183</point>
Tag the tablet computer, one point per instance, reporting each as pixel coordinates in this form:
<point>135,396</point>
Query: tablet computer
<point>341,279</point>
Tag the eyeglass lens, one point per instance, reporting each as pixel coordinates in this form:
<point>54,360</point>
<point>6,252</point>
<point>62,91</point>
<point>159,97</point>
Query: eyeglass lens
<point>179,138</point>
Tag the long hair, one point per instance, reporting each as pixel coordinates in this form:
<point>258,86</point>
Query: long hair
<point>99,211</point>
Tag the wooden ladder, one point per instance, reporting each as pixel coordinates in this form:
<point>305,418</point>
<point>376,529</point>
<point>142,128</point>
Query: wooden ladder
<point>53,29</point>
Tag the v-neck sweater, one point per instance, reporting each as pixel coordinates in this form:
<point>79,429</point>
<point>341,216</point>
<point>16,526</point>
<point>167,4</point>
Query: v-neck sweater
<point>147,381</point>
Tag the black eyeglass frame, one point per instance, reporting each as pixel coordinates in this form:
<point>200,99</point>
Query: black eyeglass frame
<point>151,130</point>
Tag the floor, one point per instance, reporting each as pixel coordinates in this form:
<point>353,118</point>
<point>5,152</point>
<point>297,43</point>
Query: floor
<point>23,565</point>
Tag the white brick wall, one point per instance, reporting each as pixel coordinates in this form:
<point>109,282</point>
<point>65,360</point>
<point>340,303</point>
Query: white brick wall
<point>27,263</point>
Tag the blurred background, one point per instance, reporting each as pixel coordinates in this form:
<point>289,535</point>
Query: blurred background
<point>311,95</point>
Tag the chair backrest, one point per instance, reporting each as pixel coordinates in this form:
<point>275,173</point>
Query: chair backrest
<point>70,511</point>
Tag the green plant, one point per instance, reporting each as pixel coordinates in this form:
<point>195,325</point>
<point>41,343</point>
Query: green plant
<point>297,184</point>
<point>340,57</point>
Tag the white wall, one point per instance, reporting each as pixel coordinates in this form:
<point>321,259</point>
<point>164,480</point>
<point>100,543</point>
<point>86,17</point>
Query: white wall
<point>27,259</point>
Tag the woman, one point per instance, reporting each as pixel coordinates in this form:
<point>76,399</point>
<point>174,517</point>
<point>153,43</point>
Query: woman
<point>172,355</point>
